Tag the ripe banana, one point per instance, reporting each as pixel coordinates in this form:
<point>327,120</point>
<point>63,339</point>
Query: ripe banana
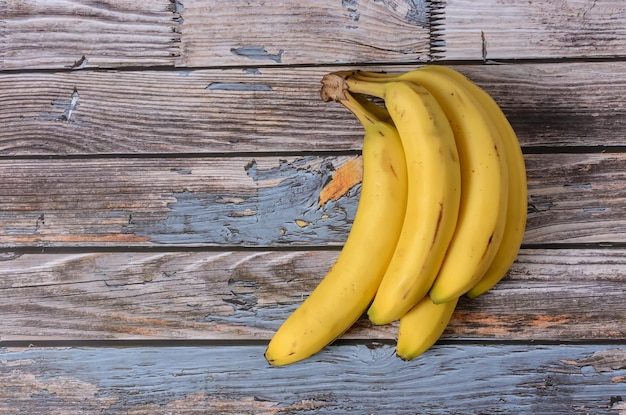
<point>484,190</point>
<point>421,327</point>
<point>517,208</point>
<point>484,184</point>
<point>434,192</point>
<point>510,152</point>
<point>349,287</point>
<point>442,211</point>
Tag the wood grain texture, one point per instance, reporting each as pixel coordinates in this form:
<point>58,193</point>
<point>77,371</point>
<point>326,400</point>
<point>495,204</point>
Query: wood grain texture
<point>196,34</point>
<point>192,33</point>
<point>549,294</point>
<point>218,201</point>
<point>39,34</point>
<point>275,32</point>
<point>278,109</point>
<point>531,30</point>
<point>449,379</point>
<point>263,201</point>
<point>558,105</point>
<point>172,187</point>
<point>170,112</point>
<point>571,179</point>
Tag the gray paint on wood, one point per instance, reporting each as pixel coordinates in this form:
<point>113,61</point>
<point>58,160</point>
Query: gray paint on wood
<point>218,201</point>
<point>167,112</point>
<point>284,209</point>
<point>237,86</point>
<point>448,379</point>
<point>257,53</point>
<point>549,295</point>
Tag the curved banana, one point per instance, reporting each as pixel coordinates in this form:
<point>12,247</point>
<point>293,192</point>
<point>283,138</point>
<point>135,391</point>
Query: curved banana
<point>517,208</point>
<point>484,183</point>
<point>421,327</point>
<point>484,194</point>
<point>372,108</point>
<point>349,287</point>
<point>517,205</point>
<point>434,191</point>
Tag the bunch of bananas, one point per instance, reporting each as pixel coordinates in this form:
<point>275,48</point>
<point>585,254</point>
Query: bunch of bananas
<point>442,211</point>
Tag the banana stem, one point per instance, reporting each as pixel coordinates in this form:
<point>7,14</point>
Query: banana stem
<point>335,85</point>
<point>366,111</point>
<point>360,86</point>
<point>364,116</point>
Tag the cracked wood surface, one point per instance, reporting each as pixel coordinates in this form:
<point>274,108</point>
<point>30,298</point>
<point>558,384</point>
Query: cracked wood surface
<point>541,380</point>
<point>172,186</point>
<point>278,109</point>
<point>196,33</point>
<point>497,29</point>
<point>549,295</point>
<point>264,201</point>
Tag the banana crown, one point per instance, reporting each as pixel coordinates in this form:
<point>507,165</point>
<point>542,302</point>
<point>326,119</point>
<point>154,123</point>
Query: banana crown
<point>441,214</point>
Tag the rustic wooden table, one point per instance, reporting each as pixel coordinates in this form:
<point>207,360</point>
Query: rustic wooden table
<point>161,166</point>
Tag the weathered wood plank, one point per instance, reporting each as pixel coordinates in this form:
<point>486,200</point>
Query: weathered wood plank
<point>559,105</point>
<point>548,295</point>
<point>170,112</point>
<point>300,32</point>
<point>530,30</point>
<point>263,201</point>
<point>345,379</point>
<point>196,33</point>
<point>200,201</point>
<point>227,190</point>
<point>572,198</point>
<point>38,34</point>
<point>274,109</point>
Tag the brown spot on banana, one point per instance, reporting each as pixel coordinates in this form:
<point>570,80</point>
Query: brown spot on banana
<point>439,218</point>
<point>393,171</point>
<point>487,246</point>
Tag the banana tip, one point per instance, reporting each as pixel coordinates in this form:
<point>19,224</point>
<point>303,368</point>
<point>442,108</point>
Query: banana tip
<point>269,359</point>
<point>375,318</point>
<point>405,357</point>
<point>437,298</point>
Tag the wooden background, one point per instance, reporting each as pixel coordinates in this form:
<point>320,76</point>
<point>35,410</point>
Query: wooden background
<point>164,168</point>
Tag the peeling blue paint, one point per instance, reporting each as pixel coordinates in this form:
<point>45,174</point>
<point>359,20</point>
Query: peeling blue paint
<point>503,378</point>
<point>352,7</point>
<point>251,71</point>
<point>257,53</point>
<point>284,194</point>
<point>417,14</point>
<point>238,86</point>
<point>177,8</point>
<point>594,209</point>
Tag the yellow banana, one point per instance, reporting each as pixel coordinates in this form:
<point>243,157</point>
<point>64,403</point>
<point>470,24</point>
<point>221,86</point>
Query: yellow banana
<point>517,208</point>
<point>421,327</point>
<point>349,287</point>
<point>484,194</point>
<point>484,182</point>
<point>434,189</point>
<point>372,108</point>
